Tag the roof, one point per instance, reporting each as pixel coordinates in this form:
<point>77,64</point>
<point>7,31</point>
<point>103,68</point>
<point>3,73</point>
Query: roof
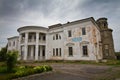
<point>74,22</point>
<point>31,27</point>
<point>13,37</point>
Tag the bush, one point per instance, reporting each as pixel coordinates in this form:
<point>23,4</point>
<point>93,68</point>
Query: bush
<point>3,54</point>
<point>26,70</point>
<point>3,69</point>
<point>11,60</point>
<point>38,69</point>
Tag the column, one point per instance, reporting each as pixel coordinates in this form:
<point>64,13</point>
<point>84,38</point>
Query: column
<point>26,46</point>
<point>19,47</point>
<point>41,57</point>
<point>32,52</point>
<point>36,46</point>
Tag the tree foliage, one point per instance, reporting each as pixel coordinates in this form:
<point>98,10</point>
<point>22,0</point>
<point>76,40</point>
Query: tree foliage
<point>3,54</point>
<point>11,60</point>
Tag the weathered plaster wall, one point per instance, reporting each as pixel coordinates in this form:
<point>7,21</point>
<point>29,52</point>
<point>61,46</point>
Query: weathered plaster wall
<point>77,40</point>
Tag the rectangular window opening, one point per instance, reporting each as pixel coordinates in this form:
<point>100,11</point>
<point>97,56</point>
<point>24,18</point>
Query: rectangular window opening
<point>69,33</point>
<point>70,49</point>
<point>85,51</point>
<point>83,31</point>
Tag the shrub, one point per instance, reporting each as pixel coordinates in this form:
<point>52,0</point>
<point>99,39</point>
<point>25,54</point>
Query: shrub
<point>11,60</point>
<point>38,69</point>
<point>47,68</point>
<point>28,70</point>
<point>3,69</point>
<point>3,54</point>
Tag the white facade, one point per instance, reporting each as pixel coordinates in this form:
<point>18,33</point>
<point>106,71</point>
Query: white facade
<point>78,40</point>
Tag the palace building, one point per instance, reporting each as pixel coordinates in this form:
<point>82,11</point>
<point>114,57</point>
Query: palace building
<point>84,39</point>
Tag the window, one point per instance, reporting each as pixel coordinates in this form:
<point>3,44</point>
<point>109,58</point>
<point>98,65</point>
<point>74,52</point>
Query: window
<point>69,33</point>
<point>53,52</point>
<point>39,37</point>
<point>85,51</point>
<point>53,37</point>
<point>43,37</point>
<point>56,51</point>
<point>106,49</point>
<point>13,43</point>
<point>56,36</point>
<point>59,51</point>
<point>83,31</point>
<point>70,49</point>
<point>59,37</point>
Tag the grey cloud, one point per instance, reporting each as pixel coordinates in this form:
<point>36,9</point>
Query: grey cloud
<point>17,13</point>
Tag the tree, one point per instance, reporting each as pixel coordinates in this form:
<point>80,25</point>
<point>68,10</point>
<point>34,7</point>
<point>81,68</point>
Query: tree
<point>11,60</point>
<point>3,54</point>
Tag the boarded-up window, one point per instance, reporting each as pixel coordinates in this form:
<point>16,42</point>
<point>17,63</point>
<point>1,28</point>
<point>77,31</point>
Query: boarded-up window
<point>106,49</point>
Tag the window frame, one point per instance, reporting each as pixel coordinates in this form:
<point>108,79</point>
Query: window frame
<point>69,33</point>
<point>70,51</point>
<point>85,47</point>
<point>83,31</point>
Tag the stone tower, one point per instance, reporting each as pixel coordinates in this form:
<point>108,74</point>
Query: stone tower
<point>107,39</point>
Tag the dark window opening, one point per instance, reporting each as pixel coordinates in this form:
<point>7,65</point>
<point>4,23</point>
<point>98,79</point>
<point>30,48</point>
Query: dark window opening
<point>56,36</point>
<point>70,51</point>
<point>53,52</point>
<point>43,52</point>
<point>85,51</point>
<point>56,51</point>
<point>60,51</point>
<point>69,33</point>
<point>44,38</point>
<point>59,37</point>
<point>53,37</point>
<point>83,31</point>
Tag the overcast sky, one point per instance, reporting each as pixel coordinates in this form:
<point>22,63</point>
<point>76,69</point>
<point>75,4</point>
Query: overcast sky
<point>18,13</point>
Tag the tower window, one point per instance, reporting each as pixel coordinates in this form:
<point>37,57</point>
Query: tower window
<point>83,31</point>
<point>106,49</point>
